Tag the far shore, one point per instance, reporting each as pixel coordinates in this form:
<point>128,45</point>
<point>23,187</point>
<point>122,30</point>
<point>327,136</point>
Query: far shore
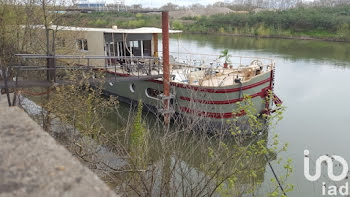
<point>273,36</point>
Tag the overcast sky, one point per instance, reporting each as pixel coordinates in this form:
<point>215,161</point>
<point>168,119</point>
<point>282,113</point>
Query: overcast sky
<point>158,3</point>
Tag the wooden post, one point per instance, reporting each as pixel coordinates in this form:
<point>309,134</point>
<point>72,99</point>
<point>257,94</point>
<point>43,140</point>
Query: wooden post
<point>53,72</point>
<point>47,31</point>
<point>51,62</point>
<point>4,72</point>
<point>15,91</point>
<point>166,67</point>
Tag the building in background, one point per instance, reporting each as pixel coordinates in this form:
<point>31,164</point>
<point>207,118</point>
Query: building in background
<point>91,4</point>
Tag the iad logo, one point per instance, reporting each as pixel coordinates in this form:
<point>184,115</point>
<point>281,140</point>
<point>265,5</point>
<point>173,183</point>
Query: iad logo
<point>329,161</point>
<point>332,189</point>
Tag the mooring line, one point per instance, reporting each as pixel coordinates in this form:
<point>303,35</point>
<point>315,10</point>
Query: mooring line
<point>273,171</point>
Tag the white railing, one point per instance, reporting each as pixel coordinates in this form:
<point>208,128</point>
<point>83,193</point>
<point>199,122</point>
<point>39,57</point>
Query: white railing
<point>213,60</point>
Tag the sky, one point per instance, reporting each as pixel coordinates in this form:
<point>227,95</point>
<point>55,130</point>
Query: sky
<point>158,3</point>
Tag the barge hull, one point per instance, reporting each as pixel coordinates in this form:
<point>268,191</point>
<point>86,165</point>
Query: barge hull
<point>213,104</point>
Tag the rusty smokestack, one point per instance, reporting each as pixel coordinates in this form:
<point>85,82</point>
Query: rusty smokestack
<point>166,68</point>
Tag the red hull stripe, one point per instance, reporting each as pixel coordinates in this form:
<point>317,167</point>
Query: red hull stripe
<point>212,114</point>
<point>210,90</point>
<point>261,94</point>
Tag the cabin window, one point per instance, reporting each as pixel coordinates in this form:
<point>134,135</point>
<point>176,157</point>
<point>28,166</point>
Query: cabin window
<point>135,44</point>
<point>147,47</point>
<point>152,93</point>
<point>135,47</point>
<point>82,44</point>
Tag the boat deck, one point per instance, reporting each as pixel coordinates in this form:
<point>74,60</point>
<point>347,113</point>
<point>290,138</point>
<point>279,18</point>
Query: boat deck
<point>199,76</point>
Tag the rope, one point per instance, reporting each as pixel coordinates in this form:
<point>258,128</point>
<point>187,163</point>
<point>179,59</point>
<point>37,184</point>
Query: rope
<point>274,174</point>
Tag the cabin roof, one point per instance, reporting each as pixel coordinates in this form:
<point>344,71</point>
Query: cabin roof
<point>142,30</point>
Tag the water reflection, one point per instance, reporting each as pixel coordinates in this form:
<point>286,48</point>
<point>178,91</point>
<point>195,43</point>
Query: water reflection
<point>312,78</point>
<point>337,52</point>
<point>182,163</point>
<point>187,164</point>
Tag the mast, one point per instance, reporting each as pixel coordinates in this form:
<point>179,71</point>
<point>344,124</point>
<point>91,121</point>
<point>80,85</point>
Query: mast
<point>166,68</point>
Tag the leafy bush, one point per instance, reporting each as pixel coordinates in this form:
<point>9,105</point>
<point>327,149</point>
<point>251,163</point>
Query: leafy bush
<point>177,25</point>
<point>329,22</point>
<point>318,22</point>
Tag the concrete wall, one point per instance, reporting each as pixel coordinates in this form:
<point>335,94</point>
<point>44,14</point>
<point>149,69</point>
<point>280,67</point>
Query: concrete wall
<point>33,164</point>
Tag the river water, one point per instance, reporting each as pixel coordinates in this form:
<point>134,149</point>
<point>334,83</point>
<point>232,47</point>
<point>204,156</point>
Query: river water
<point>313,80</point>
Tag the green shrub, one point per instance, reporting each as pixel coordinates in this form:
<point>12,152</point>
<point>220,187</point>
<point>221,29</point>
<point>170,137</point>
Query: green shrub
<point>177,25</point>
<point>323,22</point>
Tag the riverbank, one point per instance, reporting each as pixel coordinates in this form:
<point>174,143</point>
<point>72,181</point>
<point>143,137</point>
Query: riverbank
<point>305,23</point>
<point>319,23</point>
<point>273,37</point>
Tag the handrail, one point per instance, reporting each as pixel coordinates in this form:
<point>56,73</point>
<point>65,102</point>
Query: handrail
<point>217,55</point>
<point>42,56</point>
<point>88,57</point>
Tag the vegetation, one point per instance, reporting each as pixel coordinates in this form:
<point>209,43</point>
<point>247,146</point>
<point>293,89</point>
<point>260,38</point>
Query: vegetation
<point>177,160</point>
<point>330,23</point>
<point>315,22</point>
<point>226,56</point>
<point>109,19</point>
<point>76,98</point>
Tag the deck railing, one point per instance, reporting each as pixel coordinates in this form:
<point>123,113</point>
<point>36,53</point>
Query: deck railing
<point>128,64</point>
<point>213,60</point>
<point>138,65</point>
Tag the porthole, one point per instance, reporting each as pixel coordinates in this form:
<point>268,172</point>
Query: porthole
<point>152,93</point>
<point>132,87</point>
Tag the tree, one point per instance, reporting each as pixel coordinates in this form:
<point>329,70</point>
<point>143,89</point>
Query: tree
<point>169,7</point>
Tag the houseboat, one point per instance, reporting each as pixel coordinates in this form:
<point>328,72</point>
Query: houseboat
<point>203,90</point>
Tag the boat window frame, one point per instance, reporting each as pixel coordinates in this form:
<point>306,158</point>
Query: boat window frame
<point>152,97</point>
<point>82,44</point>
